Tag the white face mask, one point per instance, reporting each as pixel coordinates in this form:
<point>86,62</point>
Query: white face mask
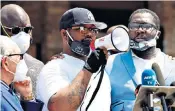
<point>21,71</point>
<point>142,46</point>
<point>22,39</point>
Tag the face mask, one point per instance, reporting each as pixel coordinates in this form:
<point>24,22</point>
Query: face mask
<point>82,48</point>
<point>141,46</point>
<point>21,71</point>
<point>22,39</point>
<point>144,45</point>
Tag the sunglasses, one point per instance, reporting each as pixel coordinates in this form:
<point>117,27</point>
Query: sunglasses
<point>144,26</point>
<point>21,55</point>
<point>16,29</point>
<point>85,30</point>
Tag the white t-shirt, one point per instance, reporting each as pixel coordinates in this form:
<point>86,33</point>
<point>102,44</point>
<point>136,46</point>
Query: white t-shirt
<point>102,101</point>
<point>59,73</point>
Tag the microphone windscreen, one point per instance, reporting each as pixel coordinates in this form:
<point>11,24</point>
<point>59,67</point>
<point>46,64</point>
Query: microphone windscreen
<point>149,77</point>
<point>159,74</point>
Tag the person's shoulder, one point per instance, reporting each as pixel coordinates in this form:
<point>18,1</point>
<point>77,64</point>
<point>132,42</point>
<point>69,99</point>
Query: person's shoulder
<point>55,64</point>
<point>171,58</point>
<point>168,59</point>
<point>29,59</point>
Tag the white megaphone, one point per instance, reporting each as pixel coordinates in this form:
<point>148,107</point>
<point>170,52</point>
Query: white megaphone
<point>118,40</point>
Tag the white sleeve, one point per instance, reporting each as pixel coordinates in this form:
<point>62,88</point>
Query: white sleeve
<point>50,80</point>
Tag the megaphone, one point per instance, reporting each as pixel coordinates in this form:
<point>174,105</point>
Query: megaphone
<point>118,40</point>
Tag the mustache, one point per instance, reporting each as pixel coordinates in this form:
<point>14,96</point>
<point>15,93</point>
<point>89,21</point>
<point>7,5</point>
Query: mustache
<point>142,36</point>
<point>88,38</point>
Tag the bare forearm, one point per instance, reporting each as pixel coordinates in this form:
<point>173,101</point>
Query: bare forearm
<point>77,90</point>
<point>69,98</point>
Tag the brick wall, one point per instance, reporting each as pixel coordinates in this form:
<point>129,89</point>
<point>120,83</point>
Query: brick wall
<point>53,41</point>
<point>166,12</point>
<point>45,17</point>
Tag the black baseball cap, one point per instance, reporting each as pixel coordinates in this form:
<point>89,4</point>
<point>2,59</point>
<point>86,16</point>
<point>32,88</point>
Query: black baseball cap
<point>79,16</point>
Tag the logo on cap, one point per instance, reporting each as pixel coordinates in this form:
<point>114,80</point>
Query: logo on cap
<point>90,16</point>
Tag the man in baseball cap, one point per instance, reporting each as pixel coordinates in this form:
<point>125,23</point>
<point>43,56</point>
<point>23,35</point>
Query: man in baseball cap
<point>62,82</point>
<point>78,17</point>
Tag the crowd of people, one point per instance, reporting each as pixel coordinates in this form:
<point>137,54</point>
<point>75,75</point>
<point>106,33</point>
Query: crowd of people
<point>82,78</point>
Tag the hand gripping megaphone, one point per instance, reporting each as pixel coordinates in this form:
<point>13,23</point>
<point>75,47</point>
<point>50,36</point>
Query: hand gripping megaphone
<point>118,40</point>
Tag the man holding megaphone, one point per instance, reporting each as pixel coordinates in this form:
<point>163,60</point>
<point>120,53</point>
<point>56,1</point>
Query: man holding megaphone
<point>71,83</point>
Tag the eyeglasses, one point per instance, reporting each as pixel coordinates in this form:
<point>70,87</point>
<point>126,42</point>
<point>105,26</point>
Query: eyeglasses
<point>144,26</point>
<point>21,55</point>
<point>16,29</point>
<point>85,30</point>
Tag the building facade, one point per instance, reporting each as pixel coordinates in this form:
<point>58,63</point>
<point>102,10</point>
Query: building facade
<point>45,17</point>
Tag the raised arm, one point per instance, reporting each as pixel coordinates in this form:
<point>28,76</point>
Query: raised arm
<point>70,97</point>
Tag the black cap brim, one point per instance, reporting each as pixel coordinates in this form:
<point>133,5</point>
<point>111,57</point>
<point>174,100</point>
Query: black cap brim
<point>99,25</point>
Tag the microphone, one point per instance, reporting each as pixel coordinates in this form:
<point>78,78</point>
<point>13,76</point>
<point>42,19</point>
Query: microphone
<point>172,84</point>
<point>159,74</point>
<point>170,101</point>
<point>161,81</point>
<point>149,79</point>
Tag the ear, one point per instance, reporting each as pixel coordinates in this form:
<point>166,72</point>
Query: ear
<point>5,63</point>
<point>158,34</point>
<point>63,34</point>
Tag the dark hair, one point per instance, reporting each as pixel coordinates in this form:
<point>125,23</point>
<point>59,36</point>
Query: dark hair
<point>156,18</point>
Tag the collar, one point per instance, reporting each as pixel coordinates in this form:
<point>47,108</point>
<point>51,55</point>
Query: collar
<point>6,87</point>
<point>4,84</point>
<point>73,59</point>
<point>135,56</point>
